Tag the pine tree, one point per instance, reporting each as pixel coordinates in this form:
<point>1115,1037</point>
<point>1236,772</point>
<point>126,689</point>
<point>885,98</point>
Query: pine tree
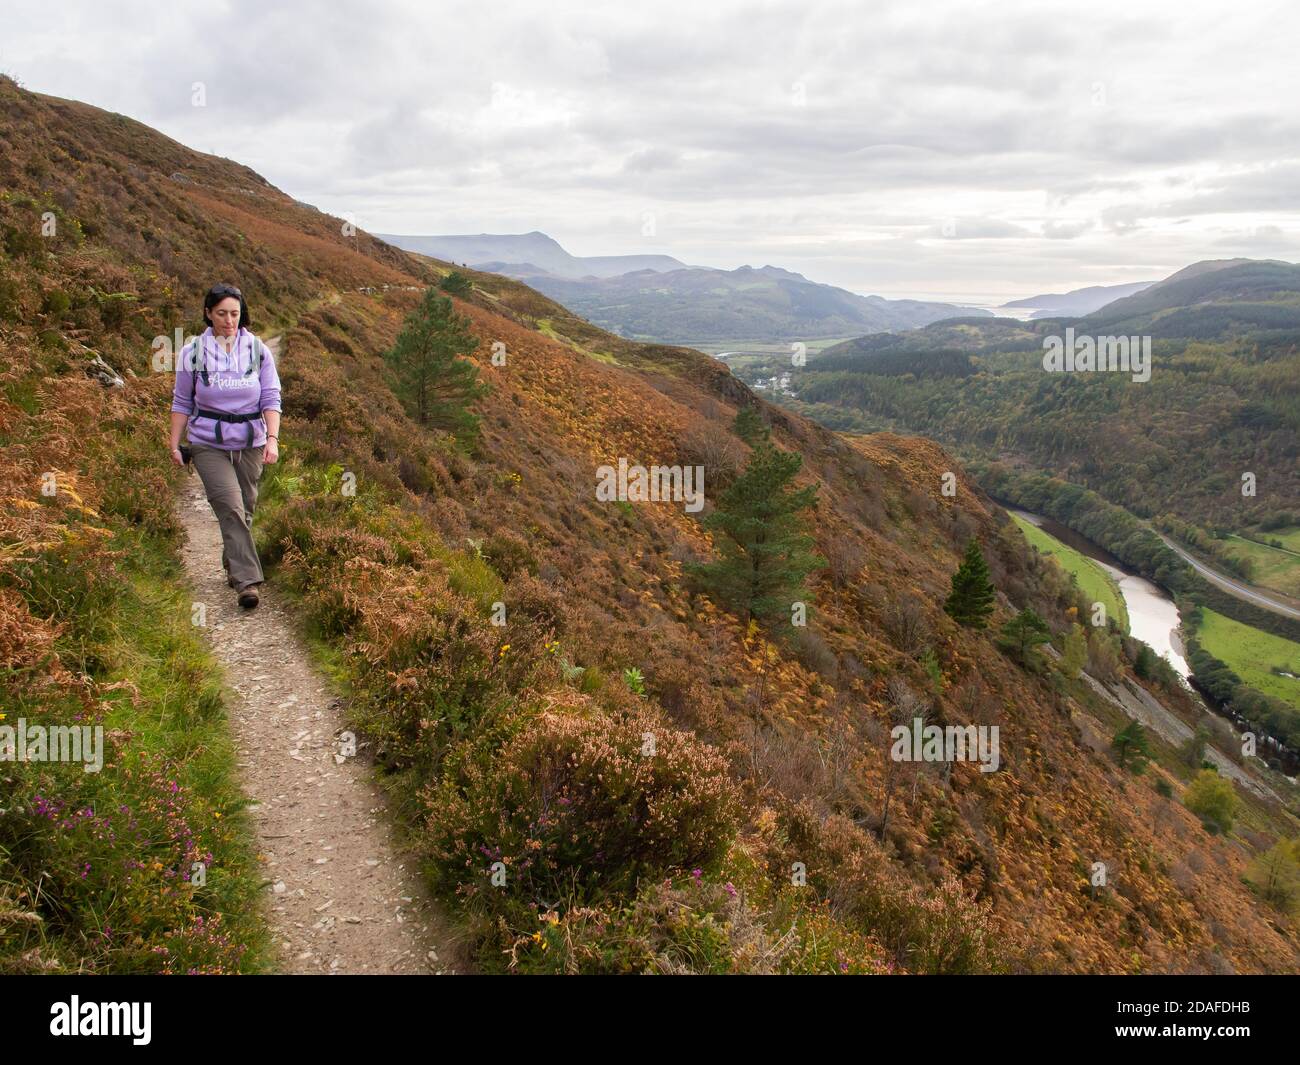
<point>971,599</point>
<point>1131,748</point>
<point>1192,751</point>
<point>1021,635</point>
<point>765,552</point>
<point>434,382</point>
<point>749,426</point>
<point>456,284</point>
<point>1145,663</point>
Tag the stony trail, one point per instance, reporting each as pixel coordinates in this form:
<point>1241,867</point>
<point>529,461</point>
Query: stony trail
<point>342,898</point>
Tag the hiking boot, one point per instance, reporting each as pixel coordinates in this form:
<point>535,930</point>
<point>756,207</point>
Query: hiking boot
<point>248,597</point>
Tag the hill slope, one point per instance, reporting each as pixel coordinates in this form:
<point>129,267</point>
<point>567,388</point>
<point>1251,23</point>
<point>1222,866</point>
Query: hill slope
<point>515,749</point>
<point>1211,300</point>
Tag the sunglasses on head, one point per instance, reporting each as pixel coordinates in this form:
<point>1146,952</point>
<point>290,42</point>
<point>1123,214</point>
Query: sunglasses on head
<point>225,290</point>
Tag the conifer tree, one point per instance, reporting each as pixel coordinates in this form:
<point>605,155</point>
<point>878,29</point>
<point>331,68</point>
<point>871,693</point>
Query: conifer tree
<point>456,284</point>
<point>1021,635</point>
<point>971,599</point>
<point>749,426</point>
<point>1131,748</point>
<point>433,381</point>
<point>765,552</point>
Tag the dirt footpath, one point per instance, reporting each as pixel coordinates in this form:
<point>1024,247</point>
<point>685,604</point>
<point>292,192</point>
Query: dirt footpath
<point>341,898</point>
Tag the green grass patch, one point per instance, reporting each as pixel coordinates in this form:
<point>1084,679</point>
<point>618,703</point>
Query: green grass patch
<point>1252,655</point>
<point>107,859</point>
<point>1269,567</point>
<point>1094,581</point>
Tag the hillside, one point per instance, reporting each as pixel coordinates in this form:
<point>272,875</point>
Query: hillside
<point>527,745</point>
<point>1212,300</point>
<point>745,304</point>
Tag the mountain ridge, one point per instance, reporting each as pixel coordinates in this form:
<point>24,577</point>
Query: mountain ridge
<point>1079,300</point>
<point>666,301</point>
<point>534,249</point>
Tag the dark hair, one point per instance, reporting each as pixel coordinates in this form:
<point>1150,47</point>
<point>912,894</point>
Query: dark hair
<point>216,294</point>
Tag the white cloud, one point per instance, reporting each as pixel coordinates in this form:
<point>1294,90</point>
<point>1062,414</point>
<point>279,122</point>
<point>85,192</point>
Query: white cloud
<point>1059,144</point>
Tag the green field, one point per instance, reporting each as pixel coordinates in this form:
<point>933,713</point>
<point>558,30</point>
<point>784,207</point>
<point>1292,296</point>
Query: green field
<point>1289,537</point>
<point>1269,566</point>
<point>1094,581</point>
<point>1252,654</point>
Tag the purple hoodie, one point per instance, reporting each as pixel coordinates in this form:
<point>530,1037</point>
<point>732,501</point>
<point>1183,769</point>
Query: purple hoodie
<point>241,382</point>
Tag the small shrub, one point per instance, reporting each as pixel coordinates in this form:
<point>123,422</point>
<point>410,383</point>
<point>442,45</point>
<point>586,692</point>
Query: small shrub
<point>574,809</point>
<point>1213,799</point>
<point>509,555</point>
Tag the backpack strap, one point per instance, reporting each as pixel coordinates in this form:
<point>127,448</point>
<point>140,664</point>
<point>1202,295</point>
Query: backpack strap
<point>197,358</point>
<point>255,359</point>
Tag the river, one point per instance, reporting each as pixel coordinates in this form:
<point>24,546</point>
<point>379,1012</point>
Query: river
<point>1153,619</point>
<point>1152,616</point>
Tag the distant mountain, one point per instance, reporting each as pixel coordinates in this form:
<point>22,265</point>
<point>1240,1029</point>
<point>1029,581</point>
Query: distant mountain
<point>1079,300</point>
<point>659,298</point>
<point>698,305</point>
<point>1255,299</point>
<point>1211,300</point>
<point>527,255</point>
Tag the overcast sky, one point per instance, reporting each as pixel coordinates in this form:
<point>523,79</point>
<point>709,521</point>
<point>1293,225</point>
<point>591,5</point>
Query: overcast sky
<point>963,150</point>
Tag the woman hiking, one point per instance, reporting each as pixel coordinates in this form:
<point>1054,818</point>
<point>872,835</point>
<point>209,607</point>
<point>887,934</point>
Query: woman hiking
<point>227,398</point>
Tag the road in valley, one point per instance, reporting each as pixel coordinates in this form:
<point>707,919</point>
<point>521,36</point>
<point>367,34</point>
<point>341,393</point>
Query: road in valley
<point>1268,600</point>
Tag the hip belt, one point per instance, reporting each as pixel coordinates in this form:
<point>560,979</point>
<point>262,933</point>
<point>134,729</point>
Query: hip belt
<point>221,416</point>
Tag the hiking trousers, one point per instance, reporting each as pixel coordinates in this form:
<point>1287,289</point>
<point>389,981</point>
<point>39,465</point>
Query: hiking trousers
<point>230,480</point>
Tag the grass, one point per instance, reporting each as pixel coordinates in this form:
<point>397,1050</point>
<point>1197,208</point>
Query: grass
<point>1269,567</point>
<point>1252,654</point>
<point>546,327</point>
<point>165,693</point>
<point>1290,537</point>
<point>1094,581</point>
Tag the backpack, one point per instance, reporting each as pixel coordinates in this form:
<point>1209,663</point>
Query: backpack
<point>201,354</point>
<point>200,357</point>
